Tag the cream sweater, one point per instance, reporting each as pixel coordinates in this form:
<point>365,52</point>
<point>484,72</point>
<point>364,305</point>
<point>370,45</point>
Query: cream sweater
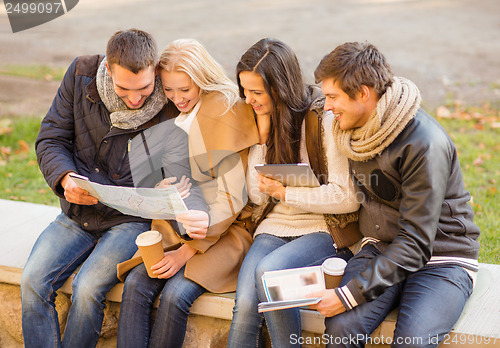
<point>302,211</point>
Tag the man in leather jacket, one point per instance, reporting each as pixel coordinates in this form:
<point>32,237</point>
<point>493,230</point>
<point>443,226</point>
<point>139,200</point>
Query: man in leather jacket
<point>103,103</point>
<point>420,248</point>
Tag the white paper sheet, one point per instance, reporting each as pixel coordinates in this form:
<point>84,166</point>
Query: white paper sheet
<point>148,203</point>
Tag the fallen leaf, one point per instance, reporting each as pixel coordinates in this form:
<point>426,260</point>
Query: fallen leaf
<point>5,130</point>
<point>24,147</point>
<point>493,190</point>
<point>477,206</point>
<point>478,161</point>
<point>443,112</point>
<point>5,151</point>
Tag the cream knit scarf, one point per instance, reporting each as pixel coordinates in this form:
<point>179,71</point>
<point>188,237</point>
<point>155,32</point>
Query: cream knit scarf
<point>121,116</point>
<point>395,109</point>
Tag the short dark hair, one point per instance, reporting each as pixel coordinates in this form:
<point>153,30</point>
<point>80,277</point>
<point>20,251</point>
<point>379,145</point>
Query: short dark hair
<point>132,49</point>
<point>354,64</point>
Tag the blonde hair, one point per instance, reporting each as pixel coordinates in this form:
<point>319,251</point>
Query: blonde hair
<point>189,56</point>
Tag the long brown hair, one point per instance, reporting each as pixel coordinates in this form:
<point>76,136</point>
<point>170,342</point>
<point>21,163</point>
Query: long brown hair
<point>279,68</point>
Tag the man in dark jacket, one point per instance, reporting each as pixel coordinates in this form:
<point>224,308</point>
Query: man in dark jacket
<point>420,248</point>
<point>101,105</point>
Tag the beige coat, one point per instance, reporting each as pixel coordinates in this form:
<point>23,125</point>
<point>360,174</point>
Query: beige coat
<point>218,148</point>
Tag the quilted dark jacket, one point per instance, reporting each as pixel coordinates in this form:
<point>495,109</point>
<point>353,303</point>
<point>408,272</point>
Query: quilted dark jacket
<point>76,136</point>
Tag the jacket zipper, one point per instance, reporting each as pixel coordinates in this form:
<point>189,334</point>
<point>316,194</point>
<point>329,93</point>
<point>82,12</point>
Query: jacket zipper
<point>127,150</point>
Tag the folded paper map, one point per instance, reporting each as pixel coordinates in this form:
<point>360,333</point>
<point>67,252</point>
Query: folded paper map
<point>148,203</point>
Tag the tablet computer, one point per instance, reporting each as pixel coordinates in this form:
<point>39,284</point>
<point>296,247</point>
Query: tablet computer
<point>296,174</point>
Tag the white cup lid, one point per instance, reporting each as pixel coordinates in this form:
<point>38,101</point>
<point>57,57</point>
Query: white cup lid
<point>148,238</point>
<point>334,266</point>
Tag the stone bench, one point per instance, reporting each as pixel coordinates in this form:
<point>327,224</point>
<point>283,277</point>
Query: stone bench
<point>211,314</point>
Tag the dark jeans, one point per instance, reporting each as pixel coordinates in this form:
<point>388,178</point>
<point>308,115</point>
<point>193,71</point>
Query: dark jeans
<point>430,303</point>
<point>140,292</point>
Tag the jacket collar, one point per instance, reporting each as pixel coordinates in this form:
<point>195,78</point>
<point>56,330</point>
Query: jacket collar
<point>216,133</point>
<point>91,92</point>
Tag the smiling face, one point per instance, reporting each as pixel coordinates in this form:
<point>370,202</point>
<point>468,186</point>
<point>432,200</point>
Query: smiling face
<point>255,93</point>
<point>180,89</point>
<point>132,88</point>
<point>350,113</point>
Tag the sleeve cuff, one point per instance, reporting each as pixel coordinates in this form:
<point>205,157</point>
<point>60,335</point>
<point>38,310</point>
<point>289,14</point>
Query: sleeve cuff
<point>349,296</point>
<point>58,189</point>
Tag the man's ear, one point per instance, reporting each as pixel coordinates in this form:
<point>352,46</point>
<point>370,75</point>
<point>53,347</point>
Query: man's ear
<point>365,92</point>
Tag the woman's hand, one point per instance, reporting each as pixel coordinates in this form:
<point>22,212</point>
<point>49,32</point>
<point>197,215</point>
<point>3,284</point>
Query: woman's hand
<point>271,187</point>
<point>74,194</point>
<point>329,305</point>
<point>173,261</point>
<point>183,186</point>
<point>195,222</point>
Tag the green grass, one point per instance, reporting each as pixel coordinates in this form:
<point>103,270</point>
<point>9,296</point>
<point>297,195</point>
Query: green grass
<point>473,132</point>
<point>479,154</point>
<point>20,178</point>
<point>37,72</point>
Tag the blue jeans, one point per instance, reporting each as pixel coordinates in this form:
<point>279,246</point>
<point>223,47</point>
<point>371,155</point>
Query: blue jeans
<point>269,253</point>
<point>59,250</point>
<point>430,303</point>
<point>177,294</point>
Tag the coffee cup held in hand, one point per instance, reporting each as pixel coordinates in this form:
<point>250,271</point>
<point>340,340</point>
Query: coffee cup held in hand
<point>333,269</point>
<point>151,249</point>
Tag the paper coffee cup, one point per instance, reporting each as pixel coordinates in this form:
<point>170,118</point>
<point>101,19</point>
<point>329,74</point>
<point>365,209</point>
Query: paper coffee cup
<point>333,269</point>
<point>151,249</point>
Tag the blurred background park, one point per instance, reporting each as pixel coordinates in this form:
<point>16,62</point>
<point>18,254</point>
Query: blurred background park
<point>449,48</point>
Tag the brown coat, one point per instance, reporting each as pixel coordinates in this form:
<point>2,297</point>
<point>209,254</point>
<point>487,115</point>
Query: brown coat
<point>218,148</point>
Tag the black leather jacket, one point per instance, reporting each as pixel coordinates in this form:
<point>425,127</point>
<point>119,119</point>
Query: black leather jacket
<point>413,200</point>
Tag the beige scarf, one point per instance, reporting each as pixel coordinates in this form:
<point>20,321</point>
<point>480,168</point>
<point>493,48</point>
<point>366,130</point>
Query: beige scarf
<point>121,116</point>
<point>395,109</point>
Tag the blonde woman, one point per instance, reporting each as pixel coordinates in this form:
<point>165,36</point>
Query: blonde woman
<point>220,130</point>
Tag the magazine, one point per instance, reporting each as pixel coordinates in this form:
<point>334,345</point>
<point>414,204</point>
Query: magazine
<point>289,288</point>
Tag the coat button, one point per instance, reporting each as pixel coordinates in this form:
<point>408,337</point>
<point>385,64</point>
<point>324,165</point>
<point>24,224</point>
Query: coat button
<point>377,227</point>
<point>85,224</point>
<point>97,170</point>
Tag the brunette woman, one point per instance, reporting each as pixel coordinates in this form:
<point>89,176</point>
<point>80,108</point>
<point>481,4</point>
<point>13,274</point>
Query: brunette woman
<point>292,231</point>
